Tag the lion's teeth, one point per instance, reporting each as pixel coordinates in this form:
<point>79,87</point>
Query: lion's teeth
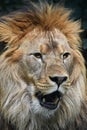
<point>44,100</point>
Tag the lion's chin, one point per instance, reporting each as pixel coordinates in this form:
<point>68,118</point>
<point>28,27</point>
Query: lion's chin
<point>49,101</point>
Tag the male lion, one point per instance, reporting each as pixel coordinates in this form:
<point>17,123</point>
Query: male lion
<point>42,72</point>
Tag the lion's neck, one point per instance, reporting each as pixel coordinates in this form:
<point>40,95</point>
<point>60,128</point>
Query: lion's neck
<point>38,123</point>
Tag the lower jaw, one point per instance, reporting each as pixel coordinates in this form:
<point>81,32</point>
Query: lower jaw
<point>50,106</point>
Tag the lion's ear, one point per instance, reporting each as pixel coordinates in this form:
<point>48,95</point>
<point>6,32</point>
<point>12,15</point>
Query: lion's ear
<point>7,33</point>
<point>10,30</point>
<point>3,47</point>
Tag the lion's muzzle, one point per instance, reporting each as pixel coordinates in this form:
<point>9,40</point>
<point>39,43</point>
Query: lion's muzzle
<point>50,100</point>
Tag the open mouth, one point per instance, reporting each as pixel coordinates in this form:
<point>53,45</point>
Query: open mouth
<point>49,101</point>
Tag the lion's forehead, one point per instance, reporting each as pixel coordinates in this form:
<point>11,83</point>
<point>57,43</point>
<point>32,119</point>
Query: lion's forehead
<point>45,42</point>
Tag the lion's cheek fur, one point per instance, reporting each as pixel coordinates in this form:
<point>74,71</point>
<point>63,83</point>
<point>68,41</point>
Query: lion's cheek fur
<point>14,105</point>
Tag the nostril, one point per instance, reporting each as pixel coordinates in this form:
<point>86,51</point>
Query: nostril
<point>54,79</point>
<point>64,78</point>
<point>57,79</point>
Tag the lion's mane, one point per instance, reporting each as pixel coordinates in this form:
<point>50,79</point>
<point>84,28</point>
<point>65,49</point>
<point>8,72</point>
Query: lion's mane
<point>15,107</point>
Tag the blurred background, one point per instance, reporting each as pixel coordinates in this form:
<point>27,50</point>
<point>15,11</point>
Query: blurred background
<point>78,6</point>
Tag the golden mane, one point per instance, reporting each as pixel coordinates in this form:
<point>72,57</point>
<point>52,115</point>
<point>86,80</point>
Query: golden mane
<point>42,16</point>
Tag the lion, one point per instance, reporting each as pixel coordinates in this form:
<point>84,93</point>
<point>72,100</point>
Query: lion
<point>42,70</point>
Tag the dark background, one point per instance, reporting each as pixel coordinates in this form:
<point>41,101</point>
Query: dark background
<point>78,6</point>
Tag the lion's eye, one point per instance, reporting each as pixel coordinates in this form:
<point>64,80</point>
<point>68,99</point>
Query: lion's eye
<point>65,55</point>
<point>37,55</point>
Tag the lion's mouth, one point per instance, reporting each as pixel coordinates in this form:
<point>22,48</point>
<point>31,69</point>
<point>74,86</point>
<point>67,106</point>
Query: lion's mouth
<point>49,101</point>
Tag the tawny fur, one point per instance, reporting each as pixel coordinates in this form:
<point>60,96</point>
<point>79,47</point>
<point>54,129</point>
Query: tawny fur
<point>21,31</point>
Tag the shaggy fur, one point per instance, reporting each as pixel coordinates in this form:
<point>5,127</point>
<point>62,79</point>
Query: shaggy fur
<point>23,32</point>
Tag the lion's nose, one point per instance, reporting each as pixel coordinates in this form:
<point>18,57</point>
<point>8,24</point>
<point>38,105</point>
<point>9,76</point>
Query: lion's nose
<point>58,80</point>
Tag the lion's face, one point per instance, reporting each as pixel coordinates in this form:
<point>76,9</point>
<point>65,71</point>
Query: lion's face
<point>48,64</point>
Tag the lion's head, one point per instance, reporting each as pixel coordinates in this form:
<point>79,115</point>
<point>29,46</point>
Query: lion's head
<point>42,73</point>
